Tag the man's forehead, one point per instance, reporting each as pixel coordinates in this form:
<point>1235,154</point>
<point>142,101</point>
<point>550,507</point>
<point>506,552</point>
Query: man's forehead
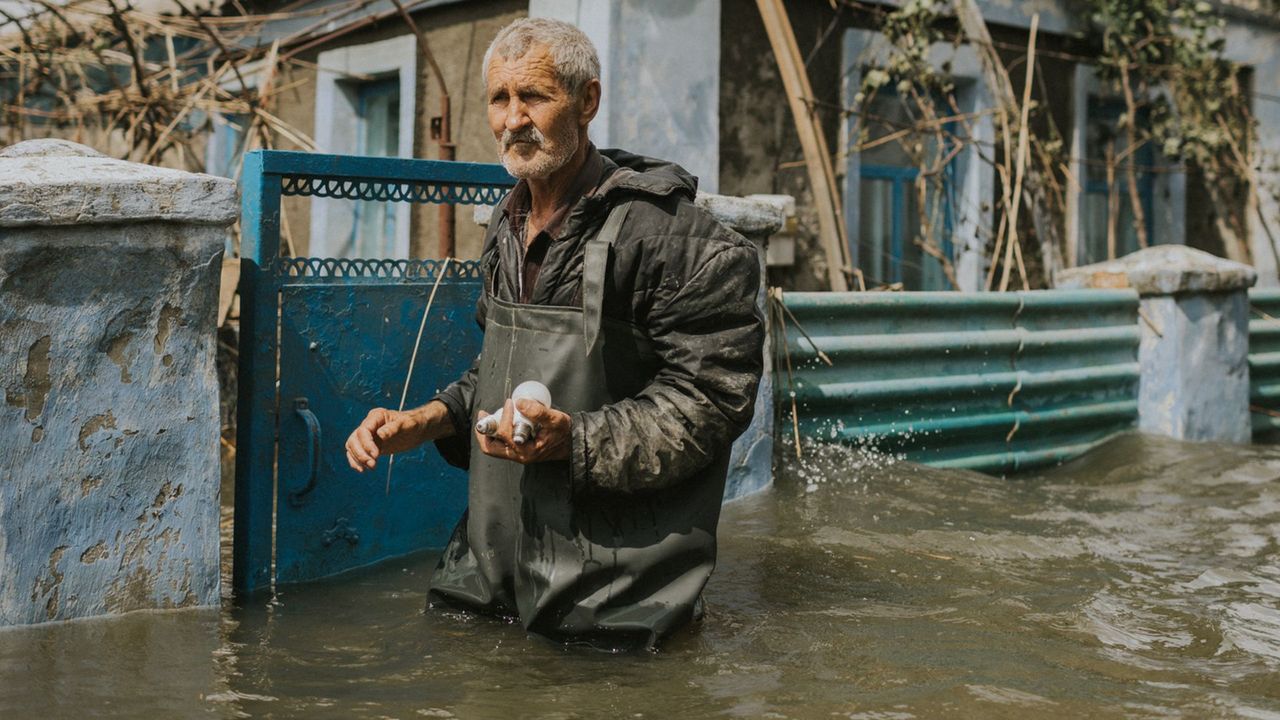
<point>535,66</point>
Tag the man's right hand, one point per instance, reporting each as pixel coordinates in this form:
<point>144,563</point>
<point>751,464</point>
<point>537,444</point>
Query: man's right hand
<point>385,432</point>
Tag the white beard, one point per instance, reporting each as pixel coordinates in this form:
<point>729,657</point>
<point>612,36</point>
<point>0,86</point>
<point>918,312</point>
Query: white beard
<point>549,157</point>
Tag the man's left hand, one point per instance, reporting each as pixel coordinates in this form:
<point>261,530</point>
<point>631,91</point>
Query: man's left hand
<point>550,441</point>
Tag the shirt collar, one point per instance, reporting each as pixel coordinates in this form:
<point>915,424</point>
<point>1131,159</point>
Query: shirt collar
<point>587,181</point>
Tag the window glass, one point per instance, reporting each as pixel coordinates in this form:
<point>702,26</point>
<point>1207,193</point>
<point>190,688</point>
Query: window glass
<point>889,221</point>
<point>1106,145</point>
<point>226,144</point>
<point>373,233</point>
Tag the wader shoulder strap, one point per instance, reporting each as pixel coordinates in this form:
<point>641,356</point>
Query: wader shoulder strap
<point>595,264</point>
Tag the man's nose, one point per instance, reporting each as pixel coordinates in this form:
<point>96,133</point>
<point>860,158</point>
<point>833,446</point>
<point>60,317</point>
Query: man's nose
<point>516,118</point>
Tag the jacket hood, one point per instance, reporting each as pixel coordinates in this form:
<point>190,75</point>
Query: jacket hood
<point>640,174</point>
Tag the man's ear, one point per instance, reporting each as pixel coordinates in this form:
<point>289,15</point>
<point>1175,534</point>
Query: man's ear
<point>590,102</point>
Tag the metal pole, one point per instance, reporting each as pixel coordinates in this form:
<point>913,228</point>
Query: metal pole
<point>441,130</point>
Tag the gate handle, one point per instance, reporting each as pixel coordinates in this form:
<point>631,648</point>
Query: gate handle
<point>297,498</point>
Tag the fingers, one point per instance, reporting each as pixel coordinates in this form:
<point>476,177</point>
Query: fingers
<point>365,442</point>
<point>500,444</point>
<point>362,449</point>
<point>506,425</point>
<point>351,459</point>
<point>357,457</point>
<point>550,442</point>
<point>492,446</point>
<point>503,451</point>
<point>391,427</point>
<point>535,411</point>
<point>376,418</point>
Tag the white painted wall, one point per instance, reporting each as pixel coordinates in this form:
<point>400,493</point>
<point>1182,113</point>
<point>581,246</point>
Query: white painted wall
<point>337,129</point>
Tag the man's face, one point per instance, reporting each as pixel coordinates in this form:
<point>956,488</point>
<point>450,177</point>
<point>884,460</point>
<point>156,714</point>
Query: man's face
<point>535,120</point>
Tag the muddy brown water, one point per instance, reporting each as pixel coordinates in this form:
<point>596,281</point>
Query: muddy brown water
<point>1140,581</point>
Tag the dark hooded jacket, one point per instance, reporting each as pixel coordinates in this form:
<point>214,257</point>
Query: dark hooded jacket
<point>690,283</point>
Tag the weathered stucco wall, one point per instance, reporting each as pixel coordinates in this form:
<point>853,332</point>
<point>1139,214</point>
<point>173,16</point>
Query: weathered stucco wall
<point>109,426</point>
<point>1256,44</point>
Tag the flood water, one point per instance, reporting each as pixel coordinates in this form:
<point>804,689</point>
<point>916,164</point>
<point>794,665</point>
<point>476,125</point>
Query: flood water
<point>1140,581</point>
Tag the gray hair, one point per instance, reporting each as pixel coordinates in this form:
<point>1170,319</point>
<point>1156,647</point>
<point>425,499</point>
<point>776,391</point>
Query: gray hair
<point>575,57</point>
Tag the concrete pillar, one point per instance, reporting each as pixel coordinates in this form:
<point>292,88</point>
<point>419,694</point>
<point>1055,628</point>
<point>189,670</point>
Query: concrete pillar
<point>109,428</point>
<point>1194,354</point>
<point>660,68</point>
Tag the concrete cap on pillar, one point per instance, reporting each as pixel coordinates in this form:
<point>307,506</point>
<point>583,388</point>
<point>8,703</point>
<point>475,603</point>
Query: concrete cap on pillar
<point>58,182</point>
<point>1162,270</point>
<point>758,215</point>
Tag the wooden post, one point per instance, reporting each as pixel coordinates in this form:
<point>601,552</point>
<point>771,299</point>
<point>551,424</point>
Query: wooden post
<point>817,156</point>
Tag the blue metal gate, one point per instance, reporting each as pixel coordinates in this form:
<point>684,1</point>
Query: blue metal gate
<point>324,340</point>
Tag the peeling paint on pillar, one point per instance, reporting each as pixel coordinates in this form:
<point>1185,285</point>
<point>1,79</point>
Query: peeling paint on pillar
<point>109,426</point>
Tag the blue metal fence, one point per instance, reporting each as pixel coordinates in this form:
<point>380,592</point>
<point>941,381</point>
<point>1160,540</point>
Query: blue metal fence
<point>322,341</point>
<point>991,382</point>
<point>1264,360</point>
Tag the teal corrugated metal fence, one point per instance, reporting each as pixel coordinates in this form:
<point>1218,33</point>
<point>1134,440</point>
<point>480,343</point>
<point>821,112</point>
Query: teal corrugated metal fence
<point>1264,359</point>
<point>996,382</point>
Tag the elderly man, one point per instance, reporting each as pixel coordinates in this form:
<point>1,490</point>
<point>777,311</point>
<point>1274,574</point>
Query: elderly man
<point>637,310</point>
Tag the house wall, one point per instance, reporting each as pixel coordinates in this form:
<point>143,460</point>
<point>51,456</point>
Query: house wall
<point>760,153</point>
<point>458,36</point>
<point>1256,43</point>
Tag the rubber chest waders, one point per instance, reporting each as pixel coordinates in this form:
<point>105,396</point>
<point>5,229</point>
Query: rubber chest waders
<point>571,562</point>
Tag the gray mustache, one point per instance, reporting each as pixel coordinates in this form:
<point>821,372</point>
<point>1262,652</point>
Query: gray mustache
<point>529,134</point>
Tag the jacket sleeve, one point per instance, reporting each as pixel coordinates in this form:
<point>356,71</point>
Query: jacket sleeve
<point>709,336</point>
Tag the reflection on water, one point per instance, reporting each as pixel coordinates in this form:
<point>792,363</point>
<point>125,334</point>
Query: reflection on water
<point>1143,580</point>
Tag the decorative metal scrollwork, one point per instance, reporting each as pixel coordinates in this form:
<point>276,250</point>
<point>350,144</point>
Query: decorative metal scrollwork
<point>391,190</point>
<point>427,270</point>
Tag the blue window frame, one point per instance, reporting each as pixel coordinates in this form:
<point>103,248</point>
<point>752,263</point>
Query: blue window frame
<point>886,192</point>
